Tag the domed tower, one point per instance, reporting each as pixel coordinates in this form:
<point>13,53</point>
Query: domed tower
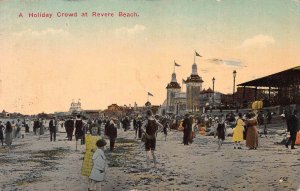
<point>193,89</point>
<point>172,88</point>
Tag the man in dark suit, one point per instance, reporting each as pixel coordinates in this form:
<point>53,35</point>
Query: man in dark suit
<point>52,129</point>
<point>293,128</point>
<point>187,129</point>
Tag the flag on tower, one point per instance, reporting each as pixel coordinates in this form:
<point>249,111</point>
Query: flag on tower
<point>176,63</point>
<point>197,54</point>
<point>150,94</point>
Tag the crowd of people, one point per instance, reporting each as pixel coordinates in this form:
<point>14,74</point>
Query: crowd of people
<point>89,132</point>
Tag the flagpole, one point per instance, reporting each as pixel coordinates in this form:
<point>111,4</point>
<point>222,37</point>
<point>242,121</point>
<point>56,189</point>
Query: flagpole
<point>174,67</point>
<point>195,57</point>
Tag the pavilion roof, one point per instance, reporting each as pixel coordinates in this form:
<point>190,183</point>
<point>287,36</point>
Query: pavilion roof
<point>281,79</point>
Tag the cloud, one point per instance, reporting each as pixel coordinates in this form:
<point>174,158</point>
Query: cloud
<point>130,31</point>
<point>204,70</point>
<point>233,63</point>
<point>258,41</point>
<point>48,31</point>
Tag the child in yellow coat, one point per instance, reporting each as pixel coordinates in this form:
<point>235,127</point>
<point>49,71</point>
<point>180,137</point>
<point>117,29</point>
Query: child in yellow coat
<point>91,147</point>
<point>237,136</point>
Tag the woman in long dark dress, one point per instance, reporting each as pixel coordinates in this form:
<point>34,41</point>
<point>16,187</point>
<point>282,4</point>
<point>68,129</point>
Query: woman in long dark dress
<point>252,132</point>
<point>1,133</point>
<point>165,129</point>
<point>220,131</point>
<point>8,134</point>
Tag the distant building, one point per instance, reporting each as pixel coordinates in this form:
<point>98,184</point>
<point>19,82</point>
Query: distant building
<point>181,101</point>
<point>113,110</point>
<point>278,89</point>
<point>75,108</point>
<point>210,98</point>
<point>172,89</point>
<point>243,97</point>
<point>92,114</point>
<point>193,89</point>
<point>178,102</point>
<point>4,114</point>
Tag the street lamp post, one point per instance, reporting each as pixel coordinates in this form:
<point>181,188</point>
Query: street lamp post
<point>234,75</point>
<point>213,81</point>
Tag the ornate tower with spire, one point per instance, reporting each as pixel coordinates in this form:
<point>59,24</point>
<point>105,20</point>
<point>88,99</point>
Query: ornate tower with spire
<point>172,88</point>
<point>193,89</point>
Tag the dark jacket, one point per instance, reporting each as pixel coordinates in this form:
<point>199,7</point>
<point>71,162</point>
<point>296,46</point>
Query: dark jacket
<point>112,131</point>
<point>8,128</point>
<point>293,124</point>
<point>69,125</point>
<point>1,131</point>
<point>79,128</point>
<point>106,127</point>
<point>36,124</point>
<point>187,125</point>
<point>52,126</point>
<point>151,127</point>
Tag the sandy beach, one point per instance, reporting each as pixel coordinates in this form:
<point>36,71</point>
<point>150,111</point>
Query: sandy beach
<point>35,163</point>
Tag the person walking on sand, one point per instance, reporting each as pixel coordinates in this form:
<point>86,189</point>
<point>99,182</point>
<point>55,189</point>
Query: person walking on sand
<point>150,127</point>
<point>91,147</point>
<point>26,127</point>
<point>79,131</point>
<point>138,132</point>
<point>52,129</point>
<point>166,127</point>
<point>69,125</point>
<point>18,126</point>
<point>41,127</point>
<point>134,123</point>
<point>98,124</point>
<point>8,134</point>
<point>126,123</point>
<point>237,136</point>
<point>187,129</point>
<point>293,128</point>
<point>98,172</point>
<point>112,134</point>
<point>220,132</point>
<point>106,126</point>
<point>1,132</point>
<point>36,125</point>
<point>252,132</point>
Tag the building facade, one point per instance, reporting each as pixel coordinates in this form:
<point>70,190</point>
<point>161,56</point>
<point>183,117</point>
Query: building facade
<point>173,88</point>
<point>179,103</point>
<point>75,108</point>
<point>210,98</point>
<point>193,89</point>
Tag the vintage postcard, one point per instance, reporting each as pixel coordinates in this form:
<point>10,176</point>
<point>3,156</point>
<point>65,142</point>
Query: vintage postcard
<point>149,95</point>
